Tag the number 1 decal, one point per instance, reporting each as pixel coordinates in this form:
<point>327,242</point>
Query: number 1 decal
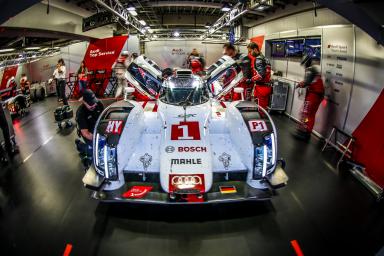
<point>185,131</point>
<point>257,126</point>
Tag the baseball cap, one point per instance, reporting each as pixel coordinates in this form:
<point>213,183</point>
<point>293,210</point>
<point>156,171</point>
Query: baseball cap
<point>89,97</point>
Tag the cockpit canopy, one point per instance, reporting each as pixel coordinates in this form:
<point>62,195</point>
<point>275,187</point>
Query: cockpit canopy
<point>183,88</point>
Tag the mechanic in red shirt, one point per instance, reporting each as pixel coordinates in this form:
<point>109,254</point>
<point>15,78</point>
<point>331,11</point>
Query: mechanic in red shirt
<point>262,89</point>
<point>196,62</point>
<point>244,63</point>
<point>313,97</point>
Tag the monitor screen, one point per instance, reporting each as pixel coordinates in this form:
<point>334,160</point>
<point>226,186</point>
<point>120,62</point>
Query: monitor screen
<point>278,49</point>
<point>295,48</point>
<point>312,46</point>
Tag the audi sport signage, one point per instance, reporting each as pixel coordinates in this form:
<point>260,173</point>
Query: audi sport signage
<point>189,182</point>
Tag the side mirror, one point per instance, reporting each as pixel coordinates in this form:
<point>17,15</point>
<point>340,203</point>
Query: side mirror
<point>127,92</point>
<point>238,90</point>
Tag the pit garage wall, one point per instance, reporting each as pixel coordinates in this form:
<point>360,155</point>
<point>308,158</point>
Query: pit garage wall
<point>42,70</point>
<point>351,67</point>
<point>174,53</point>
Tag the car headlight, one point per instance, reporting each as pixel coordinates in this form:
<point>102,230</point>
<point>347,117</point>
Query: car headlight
<point>264,157</point>
<point>105,158</point>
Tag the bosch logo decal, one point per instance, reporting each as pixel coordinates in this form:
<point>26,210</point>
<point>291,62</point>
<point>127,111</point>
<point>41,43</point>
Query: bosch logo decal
<point>192,149</point>
<point>180,161</point>
<point>169,149</point>
<point>192,180</point>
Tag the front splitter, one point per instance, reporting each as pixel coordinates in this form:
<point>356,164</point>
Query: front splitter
<point>156,196</point>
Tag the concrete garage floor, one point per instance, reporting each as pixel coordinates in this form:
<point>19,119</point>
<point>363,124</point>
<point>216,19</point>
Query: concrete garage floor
<point>44,207</point>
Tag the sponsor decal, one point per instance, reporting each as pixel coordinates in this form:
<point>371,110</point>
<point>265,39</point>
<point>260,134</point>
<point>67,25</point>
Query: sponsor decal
<point>225,159</point>
<point>179,51</point>
<point>186,116</point>
<point>191,149</point>
<point>137,192</point>
<point>114,127</point>
<point>257,126</point>
<point>186,182</point>
<point>169,149</point>
<point>228,189</point>
<point>180,161</point>
<point>185,131</point>
<point>146,159</point>
<point>97,53</point>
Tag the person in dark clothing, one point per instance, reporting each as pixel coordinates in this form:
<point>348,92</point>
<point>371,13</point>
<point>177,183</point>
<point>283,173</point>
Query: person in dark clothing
<point>86,117</point>
<point>313,97</point>
<point>244,63</point>
<point>10,149</point>
<point>262,90</point>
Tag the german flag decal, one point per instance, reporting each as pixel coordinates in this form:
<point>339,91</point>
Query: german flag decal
<point>228,189</point>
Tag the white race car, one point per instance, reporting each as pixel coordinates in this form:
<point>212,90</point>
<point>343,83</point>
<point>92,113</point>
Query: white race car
<point>184,145</point>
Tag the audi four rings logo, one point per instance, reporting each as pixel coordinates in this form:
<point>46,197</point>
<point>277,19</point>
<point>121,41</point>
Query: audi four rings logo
<point>169,149</point>
<point>186,180</point>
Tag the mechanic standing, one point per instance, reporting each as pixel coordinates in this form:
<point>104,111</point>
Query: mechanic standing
<point>11,150</point>
<point>86,118</point>
<point>245,64</point>
<point>262,89</point>
<point>313,97</point>
<point>120,67</point>
<point>59,75</point>
<point>196,62</point>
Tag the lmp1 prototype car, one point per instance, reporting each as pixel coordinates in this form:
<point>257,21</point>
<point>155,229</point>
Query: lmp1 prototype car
<point>186,145</point>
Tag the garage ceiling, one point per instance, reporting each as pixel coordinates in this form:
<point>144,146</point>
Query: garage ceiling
<point>162,14</point>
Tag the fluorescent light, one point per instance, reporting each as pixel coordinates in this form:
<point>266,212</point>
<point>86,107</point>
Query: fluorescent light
<point>155,36</point>
<point>261,8</point>
<point>43,49</point>
<point>32,48</point>
<point>176,34</point>
<point>133,13</point>
<point>142,22</point>
<point>226,7</point>
<point>7,50</point>
<point>131,7</point>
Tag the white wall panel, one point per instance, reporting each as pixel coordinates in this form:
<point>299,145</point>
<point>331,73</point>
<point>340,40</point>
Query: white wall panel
<point>174,53</point>
<point>369,78</point>
<point>57,20</point>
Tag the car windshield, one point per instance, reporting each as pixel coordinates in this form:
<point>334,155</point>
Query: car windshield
<point>180,91</point>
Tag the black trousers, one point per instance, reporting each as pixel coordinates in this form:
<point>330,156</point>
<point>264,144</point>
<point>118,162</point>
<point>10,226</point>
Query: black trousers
<point>57,89</point>
<point>62,84</point>
<point>6,134</point>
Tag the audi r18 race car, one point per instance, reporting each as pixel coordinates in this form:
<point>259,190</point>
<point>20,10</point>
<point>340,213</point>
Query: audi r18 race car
<point>185,144</point>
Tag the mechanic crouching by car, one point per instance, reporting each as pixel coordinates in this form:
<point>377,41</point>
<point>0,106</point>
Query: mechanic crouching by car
<point>262,89</point>
<point>245,64</point>
<point>86,117</point>
<point>313,97</point>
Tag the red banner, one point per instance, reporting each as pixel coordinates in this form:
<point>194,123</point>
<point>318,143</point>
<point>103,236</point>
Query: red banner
<point>8,73</point>
<point>100,55</point>
<point>259,40</point>
<point>368,148</point>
